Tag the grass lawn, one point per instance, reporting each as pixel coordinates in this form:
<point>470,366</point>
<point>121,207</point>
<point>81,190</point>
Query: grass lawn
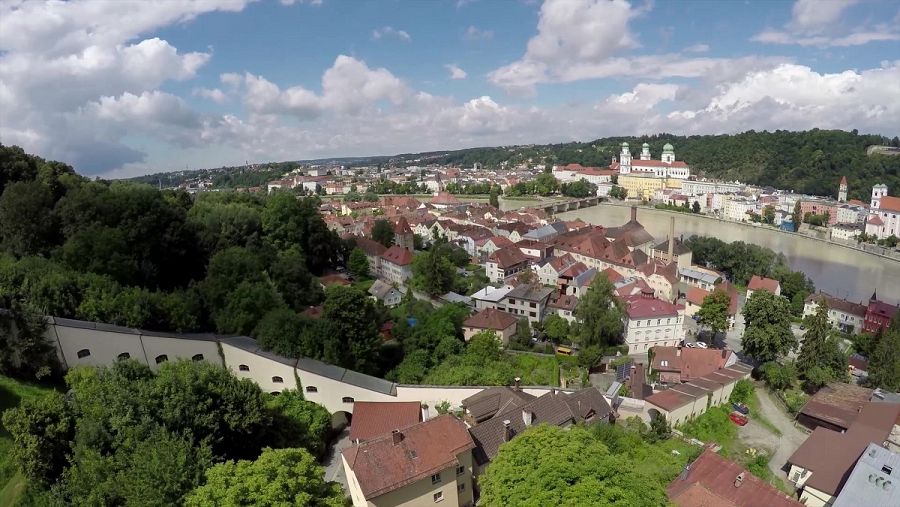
<point>364,285</point>
<point>12,483</point>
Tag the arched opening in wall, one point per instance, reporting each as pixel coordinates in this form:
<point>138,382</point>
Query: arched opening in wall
<point>162,358</point>
<point>312,389</point>
<point>123,356</point>
<point>197,357</point>
<point>276,393</point>
<point>83,353</point>
<point>341,420</point>
<point>653,413</point>
<point>278,380</point>
<point>243,367</point>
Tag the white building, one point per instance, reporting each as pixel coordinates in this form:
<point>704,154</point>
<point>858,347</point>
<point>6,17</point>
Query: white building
<point>845,232</point>
<point>846,316</point>
<point>736,209</point>
<point>651,322</point>
<point>711,187</point>
<point>666,167</point>
<point>884,219</point>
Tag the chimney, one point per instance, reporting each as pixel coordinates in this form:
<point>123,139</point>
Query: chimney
<point>507,431</point>
<point>425,415</point>
<point>678,352</point>
<point>396,436</point>
<point>527,417</point>
<point>739,480</point>
<point>517,383</point>
<point>552,390</point>
<point>634,213</point>
<point>671,238</point>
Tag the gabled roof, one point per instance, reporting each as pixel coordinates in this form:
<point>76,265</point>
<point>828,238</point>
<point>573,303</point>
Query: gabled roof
<point>837,403</point>
<point>643,307</point>
<point>380,289</point>
<point>397,255</point>
<point>838,304</point>
<point>373,419</point>
<point>491,318</point>
<point>381,466</point>
<point>444,198</point>
<point>696,295</point>
<point>402,226</point>
<point>712,481</point>
<point>509,256</point>
<point>530,292</point>
<point>492,400</point>
<point>763,283</point>
<point>564,302</point>
<point>863,486</point>
<point>889,203</point>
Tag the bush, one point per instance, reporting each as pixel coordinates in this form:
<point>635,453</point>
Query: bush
<point>742,392</point>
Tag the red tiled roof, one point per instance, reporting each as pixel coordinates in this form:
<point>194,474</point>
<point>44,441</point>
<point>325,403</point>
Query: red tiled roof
<point>402,226</point>
<point>642,307</point>
<point>843,180</point>
<point>499,241</point>
<point>655,163</point>
<point>370,247</point>
<point>491,318</point>
<point>508,256</point>
<point>381,466</point>
<point>373,419</point>
<point>711,481</point>
<point>444,198</point>
<point>890,203</point>
<point>762,283</point>
<point>612,275</point>
<point>398,256</point>
<point>669,399</point>
<point>696,295</point>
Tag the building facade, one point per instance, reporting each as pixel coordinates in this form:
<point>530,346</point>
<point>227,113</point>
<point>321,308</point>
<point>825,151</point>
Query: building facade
<point>651,322</point>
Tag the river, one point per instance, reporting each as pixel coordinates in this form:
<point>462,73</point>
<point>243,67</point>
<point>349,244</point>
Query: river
<point>843,272</point>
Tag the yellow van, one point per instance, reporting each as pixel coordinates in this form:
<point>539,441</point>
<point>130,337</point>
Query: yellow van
<point>564,351</point>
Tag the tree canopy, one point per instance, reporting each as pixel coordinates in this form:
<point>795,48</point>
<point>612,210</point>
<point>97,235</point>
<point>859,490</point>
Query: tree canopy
<point>767,333</point>
<point>600,314</point>
<point>713,313</point>
<point>548,465</point>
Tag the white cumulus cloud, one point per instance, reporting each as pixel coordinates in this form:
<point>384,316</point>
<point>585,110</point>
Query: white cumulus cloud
<point>819,23</point>
<point>388,32</point>
<point>455,71</point>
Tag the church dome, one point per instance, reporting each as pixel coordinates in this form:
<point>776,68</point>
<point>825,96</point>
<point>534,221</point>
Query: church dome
<point>624,145</point>
<point>646,145</point>
<point>668,147</point>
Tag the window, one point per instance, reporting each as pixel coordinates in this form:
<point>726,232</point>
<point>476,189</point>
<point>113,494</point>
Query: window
<point>123,356</point>
<point>197,357</point>
<point>460,487</point>
<point>533,305</point>
<point>312,389</point>
<point>162,358</point>
<point>278,380</point>
<point>532,314</point>
<point>664,363</point>
<point>83,353</point>
<point>511,301</point>
<point>243,367</point>
<point>438,496</point>
<point>886,469</point>
<point>436,478</point>
<point>347,399</point>
<point>276,393</point>
<point>460,469</point>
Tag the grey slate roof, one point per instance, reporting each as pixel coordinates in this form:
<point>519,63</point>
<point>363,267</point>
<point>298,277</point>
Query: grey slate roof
<point>489,402</point>
<point>530,292</point>
<point>863,487</point>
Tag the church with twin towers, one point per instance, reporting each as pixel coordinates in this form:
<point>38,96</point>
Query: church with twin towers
<point>665,167</point>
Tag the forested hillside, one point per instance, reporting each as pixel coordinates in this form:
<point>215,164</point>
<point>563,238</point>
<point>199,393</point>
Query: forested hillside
<point>810,162</point>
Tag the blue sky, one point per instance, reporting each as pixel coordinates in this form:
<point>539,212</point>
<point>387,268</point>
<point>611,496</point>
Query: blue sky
<point>123,88</point>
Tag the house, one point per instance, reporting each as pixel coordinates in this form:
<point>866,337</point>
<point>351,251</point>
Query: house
<point>396,265</point>
<point>444,200</point>
<point>575,281</point>
<point>386,293</point>
<point>678,365</point>
<point>682,402</point>
<point>492,244</point>
<point>834,406</point>
<point>547,232</point>
<point>846,316</point>
<point>711,480</point>
<point>505,263</point>
<point>373,250</point>
<point>548,270</point>
<point>662,278</point>
<point>490,297</point>
<point>873,481</point>
<point>878,314</point>
<point>700,277</point>
<point>421,464</point>
<point>884,220</point>
<point>859,366</point>
<point>668,252</point>
<point>823,463</point>
<point>372,419</point>
<point>403,234</point>
<point>490,319</point>
<point>563,305</point>
<point>762,283</point>
<point>650,322</point>
<point>587,406</point>
<point>535,249</point>
<point>493,400</point>
<point>528,301</point>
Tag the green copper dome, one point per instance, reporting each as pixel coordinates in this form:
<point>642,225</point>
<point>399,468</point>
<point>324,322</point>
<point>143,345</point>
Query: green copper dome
<point>668,147</point>
<point>624,145</point>
<point>646,145</point>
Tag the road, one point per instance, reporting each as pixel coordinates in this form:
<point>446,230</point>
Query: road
<point>334,467</point>
<point>757,435</point>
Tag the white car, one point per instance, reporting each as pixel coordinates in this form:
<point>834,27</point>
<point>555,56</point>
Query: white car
<point>701,345</point>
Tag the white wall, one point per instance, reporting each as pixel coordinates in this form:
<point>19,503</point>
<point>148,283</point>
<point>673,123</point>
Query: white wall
<point>104,346</point>
<point>179,348</point>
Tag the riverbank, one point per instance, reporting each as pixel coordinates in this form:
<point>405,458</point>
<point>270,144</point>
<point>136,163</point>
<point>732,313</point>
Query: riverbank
<point>895,258</point>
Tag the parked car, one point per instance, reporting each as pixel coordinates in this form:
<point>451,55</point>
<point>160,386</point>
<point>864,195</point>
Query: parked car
<point>738,418</point>
<point>740,407</point>
<point>701,345</point>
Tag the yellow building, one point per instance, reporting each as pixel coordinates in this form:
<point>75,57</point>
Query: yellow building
<point>642,186</point>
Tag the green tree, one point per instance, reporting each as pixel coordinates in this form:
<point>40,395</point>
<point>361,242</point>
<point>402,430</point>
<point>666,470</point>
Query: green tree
<point>713,312</point>
<point>695,207</point>
<point>27,224</point>
<point>299,423</point>
<point>820,359</point>
<point>545,184</point>
<point>245,306</point>
<point>383,232</point>
<point>600,315</point>
<point>277,477</point>
<point>358,264</point>
<point>355,322</point>
<point>767,333</point>
<point>42,429</point>
<point>24,349</point>
<point>769,214</point>
<point>433,273</point>
<point>556,327</point>
<point>779,376</point>
<point>884,363</point>
<point>548,465</point>
<point>494,199</point>
<point>797,216</point>
<point>295,284</point>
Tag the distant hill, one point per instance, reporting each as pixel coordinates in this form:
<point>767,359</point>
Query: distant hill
<point>810,161</point>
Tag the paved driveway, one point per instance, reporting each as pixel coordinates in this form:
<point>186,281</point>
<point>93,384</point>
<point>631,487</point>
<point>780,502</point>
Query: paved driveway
<point>334,467</point>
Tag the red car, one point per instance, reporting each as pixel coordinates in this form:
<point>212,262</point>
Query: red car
<point>738,419</point>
